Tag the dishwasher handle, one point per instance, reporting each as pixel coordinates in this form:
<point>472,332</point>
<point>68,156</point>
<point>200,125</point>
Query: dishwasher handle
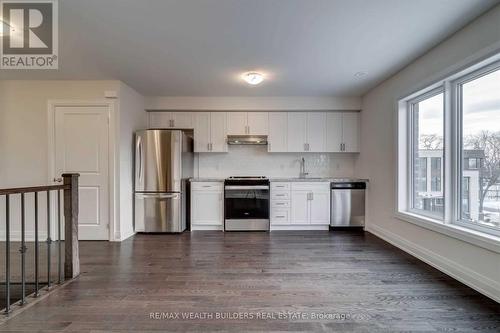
<point>348,186</point>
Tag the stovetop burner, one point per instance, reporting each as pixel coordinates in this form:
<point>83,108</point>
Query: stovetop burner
<point>247,180</point>
<point>247,177</point>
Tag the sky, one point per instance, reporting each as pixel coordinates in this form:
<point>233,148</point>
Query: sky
<point>481,105</point>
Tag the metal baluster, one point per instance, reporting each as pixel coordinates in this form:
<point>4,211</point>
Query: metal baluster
<point>49,241</point>
<point>7,254</point>
<point>23,251</point>
<point>59,253</point>
<point>36,245</point>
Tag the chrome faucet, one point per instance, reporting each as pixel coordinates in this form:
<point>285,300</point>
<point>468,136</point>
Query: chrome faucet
<point>303,172</point>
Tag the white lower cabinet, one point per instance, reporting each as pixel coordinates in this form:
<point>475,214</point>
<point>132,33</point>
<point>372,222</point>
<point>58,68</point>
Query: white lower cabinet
<point>300,205</point>
<point>207,205</point>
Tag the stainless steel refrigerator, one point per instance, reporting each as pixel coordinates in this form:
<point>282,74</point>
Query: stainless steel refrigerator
<point>163,166</point>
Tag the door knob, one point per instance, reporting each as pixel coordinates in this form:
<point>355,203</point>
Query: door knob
<point>58,180</point>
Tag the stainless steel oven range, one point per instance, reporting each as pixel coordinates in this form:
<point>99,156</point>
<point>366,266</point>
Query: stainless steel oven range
<point>246,204</point>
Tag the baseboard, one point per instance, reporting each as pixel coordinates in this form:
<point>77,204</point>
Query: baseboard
<point>205,227</point>
<point>478,282</point>
<point>126,236</point>
<point>300,227</point>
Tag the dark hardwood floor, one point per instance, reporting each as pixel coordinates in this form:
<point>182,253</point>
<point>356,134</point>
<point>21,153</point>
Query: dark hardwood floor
<point>356,281</point>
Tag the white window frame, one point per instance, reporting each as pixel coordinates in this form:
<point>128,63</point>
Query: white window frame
<point>411,103</point>
<point>450,224</point>
<point>456,104</point>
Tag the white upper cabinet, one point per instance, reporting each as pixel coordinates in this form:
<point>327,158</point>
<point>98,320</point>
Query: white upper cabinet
<point>237,123</point>
<point>334,133</point>
<point>277,137</point>
<point>159,120</point>
<point>202,137</point>
<point>316,132</point>
<point>350,131</point>
<point>306,132</point>
<point>257,123</point>
<point>343,132</point>
<point>171,120</point>
<point>247,123</point>
<point>218,132</point>
<point>182,119</point>
<point>209,132</point>
<point>296,132</point>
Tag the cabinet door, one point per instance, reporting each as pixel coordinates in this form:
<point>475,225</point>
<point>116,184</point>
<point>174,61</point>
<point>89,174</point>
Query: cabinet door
<point>218,132</point>
<point>201,132</point>
<point>258,123</point>
<point>206,208</point>
<point>236,123</point>
<point>320,208</point>
<point>334,131</point>
<point>350,131</point>
<point>277,141</point>
<point>160,120</point>
<point>296,131</point>
<point>182,119</point>
<point>316,131</point>
<point>300,207</point>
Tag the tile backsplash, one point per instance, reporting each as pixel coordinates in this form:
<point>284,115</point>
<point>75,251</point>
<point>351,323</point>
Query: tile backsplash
<point>256,161</point>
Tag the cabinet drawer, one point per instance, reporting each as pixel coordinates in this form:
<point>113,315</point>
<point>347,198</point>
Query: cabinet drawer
<point>280,203</point>
<point>280,195</point>
<point>207,186</point>
<point>313,187</point>
<point>279,186</point>
<point>280,216</point>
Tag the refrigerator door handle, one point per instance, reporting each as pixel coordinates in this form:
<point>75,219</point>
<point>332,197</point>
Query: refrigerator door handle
<point>160,196</point>
<point>138,162</point>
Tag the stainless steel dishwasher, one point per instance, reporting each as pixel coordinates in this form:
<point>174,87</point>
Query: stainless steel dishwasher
<point>347,204</point>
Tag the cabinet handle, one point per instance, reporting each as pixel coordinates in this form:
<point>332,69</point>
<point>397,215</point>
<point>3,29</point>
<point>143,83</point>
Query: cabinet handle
<point>211,146</point>
<point>279,195</point>
<point>280,204</point>
<point>312,196</point>
<point>173,122</point>
<point>208,146</point>
<point>305,146</point>
<point>280,216</point>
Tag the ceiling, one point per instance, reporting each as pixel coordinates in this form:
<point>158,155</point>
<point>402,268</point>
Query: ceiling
<point>200,47</point>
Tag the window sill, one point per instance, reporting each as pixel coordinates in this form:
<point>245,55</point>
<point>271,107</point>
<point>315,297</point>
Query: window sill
<point>474,237</point>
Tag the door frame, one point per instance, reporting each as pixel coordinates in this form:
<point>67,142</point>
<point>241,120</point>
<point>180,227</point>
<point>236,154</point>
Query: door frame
<point>112,158</point>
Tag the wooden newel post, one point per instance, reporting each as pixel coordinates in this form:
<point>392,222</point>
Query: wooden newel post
<point>72,258</point>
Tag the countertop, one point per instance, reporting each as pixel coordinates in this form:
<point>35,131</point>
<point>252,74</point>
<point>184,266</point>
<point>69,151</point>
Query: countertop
<point>290,179</point>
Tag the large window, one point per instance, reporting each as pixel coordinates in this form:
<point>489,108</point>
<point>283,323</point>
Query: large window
<point>449,151</point>
<point>427,152</point>
<point>479,101</point>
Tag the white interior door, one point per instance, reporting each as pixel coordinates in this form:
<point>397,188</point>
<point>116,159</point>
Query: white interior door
<point>81,146</point>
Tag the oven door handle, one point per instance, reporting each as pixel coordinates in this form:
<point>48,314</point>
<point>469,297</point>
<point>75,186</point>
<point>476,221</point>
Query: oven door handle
<point>244,187</point>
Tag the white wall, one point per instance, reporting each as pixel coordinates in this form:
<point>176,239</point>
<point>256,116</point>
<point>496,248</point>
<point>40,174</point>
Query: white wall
<point>253,103</point>
<point>471,264</point>
<point>256,161</point>
<point>24,138</point>
<point>131,118</point>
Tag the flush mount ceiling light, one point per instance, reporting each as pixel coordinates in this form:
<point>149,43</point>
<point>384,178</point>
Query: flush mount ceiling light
<point>360,75</point>
<point>253,78</point>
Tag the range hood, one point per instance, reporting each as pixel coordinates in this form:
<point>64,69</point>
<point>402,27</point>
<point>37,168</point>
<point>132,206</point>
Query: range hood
<point>247,140</point>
